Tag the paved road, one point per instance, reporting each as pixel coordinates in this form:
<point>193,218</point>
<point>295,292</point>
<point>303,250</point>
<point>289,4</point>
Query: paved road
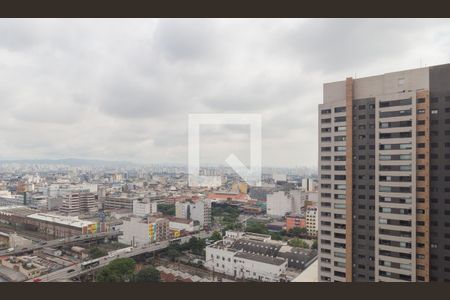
<point>62,241</point>
<point>76,270</point>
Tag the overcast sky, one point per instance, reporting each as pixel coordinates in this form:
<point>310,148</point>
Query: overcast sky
<point>123,89</point>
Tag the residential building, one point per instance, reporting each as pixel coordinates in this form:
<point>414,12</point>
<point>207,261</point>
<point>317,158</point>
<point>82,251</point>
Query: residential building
<point>198,211</point>
<point>144,207</point>
<point>120,201</point>
<point>78,203</point>
<point>183,225</point>
<point>140,231</point>
<point>295,221</point>
<point>312,220</point>
<point>281,203</point>
<point>308,184</point>
<point>383,170</point>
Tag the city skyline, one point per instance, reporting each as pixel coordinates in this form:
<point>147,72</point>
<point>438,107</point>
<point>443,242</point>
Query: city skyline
<point>123,90</point>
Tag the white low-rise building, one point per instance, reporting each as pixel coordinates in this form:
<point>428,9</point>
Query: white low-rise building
<point>184,225</point>
<point>242,265</point>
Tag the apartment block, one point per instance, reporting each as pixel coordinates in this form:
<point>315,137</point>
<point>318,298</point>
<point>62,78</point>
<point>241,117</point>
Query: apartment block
<point>384,183</point>
<point>198,211</point>
<point>78,203</point>
<point>280,203</point>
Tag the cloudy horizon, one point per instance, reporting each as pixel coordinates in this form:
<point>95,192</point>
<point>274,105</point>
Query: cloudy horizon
<point>122,90</point>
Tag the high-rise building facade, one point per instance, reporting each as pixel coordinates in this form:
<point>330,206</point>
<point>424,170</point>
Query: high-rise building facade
<point>384,172</point>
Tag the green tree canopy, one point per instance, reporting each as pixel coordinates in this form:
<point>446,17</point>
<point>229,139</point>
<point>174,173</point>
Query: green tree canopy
<point>297,231</point>
<point>216,236</point>
<point>148,274</point>
<point>119,270</point>
<point>296,242</point>
<point>97,252</point>
<point>256,227</point>
<point>196,245</point>
<point>173,252</point>
<point>167,209</point>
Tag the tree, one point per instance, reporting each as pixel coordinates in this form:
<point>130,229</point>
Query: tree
<point>256,227</point>
<point>167,209</point>
<point>97,252</point>
<point>314,245</point>
<point>148,274</point>
<point>216,236</point>
<point>196,245</point>
<point>276,236</point>
<point>119,270</point>
<point>296,242</point>
<point>173,253</point>
<point>297,231</point>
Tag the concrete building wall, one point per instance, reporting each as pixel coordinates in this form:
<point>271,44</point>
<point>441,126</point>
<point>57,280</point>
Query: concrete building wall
<point>368,197</point>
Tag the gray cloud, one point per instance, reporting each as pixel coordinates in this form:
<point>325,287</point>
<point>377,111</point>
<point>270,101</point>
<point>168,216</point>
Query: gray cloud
<point>123,89</point>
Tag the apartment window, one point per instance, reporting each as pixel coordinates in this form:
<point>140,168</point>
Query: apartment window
<point>326,111</point>
<point>390,114</point>
<point>339,109</point>
<point>395,103</point>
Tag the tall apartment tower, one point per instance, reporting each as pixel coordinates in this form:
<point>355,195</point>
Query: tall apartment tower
<point>384,171</point>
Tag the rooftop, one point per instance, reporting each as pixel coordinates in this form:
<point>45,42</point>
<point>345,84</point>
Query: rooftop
<point>17,210</point>
<point>64,220</point>
<point>264,259</point>
<point>180,220</point>
<point>310,274</point>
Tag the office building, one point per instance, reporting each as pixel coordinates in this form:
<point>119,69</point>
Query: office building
<point>384,168</point>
